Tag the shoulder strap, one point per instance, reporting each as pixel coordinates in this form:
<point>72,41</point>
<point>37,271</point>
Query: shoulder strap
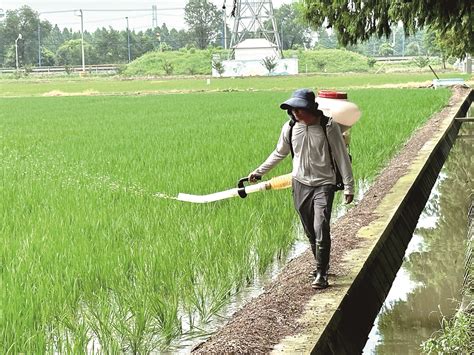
<point>291,123</point>
<point>324,122</point>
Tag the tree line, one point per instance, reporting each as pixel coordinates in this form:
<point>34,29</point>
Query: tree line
<point>45,44</point>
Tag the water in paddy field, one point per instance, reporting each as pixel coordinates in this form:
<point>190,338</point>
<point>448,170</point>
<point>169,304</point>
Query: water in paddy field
<point>240,299</point>
<point>428,285</point>
<point>193,337</point>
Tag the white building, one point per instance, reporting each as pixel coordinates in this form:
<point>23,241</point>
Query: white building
<point>249,56</point>
<point>255,49</point>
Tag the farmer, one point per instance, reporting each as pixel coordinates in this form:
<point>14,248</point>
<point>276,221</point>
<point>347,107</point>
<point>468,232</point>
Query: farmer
<point>313,173</point>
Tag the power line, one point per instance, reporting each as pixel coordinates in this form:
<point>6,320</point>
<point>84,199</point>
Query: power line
<point>163,10</point>
<point>115,19</point>
<point>56,12</point>
<point>114,10</point>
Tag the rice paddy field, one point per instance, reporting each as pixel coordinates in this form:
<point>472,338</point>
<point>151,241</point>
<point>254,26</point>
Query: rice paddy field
<point>95,258</point>
<point>120,86</point>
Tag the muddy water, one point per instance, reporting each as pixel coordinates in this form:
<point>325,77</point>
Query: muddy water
<point>193,337</point>
<point>429,282</point>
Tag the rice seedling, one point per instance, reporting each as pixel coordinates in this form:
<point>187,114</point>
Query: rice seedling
<point>93,260</point>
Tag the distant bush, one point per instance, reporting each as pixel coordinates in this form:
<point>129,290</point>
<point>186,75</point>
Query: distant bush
<point>164,47</point>
<point>168,67</point>
<point>269,63</point>
<point>320,64</point>
<point>413,48</point>
<point>451,60</point>
<point>218,66</point>
<point>421,61</point>
<point>121,68</point>
<point>371,62</point>
<point>386,49</point>
<point>28,69</point>
<point>192,70</point>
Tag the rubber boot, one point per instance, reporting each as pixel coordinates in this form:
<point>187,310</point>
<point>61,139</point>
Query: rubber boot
<point>313,273</point>
<point>321,280</point>
<point>322,265</point>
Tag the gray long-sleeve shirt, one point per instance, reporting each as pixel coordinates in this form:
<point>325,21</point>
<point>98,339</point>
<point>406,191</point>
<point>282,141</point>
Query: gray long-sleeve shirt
<point>311,163</point>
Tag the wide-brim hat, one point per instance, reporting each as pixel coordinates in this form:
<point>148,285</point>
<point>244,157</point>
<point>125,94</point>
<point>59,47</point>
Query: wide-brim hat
<point>301,98</point>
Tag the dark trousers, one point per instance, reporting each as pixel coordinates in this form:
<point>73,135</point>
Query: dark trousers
<point>314,205</point>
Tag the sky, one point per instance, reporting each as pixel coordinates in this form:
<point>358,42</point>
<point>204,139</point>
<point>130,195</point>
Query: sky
<point>169,12</point>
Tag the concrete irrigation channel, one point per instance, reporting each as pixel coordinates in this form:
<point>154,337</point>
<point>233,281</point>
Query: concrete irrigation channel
<point>369,245</point>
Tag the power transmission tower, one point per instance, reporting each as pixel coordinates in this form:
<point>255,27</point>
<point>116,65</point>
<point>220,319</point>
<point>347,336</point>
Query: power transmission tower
<point>254,19</point>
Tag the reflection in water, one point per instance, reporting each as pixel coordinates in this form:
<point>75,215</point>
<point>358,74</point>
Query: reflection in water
<point>431,275</point>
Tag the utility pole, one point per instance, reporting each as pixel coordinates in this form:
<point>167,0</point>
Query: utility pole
<point>16,51</point>
<point>282,38</point>
<point>82,41</point>
<point>154,18</point>
<point>224,15</point>
<point>39,42</point>
<point>403,43</point>
<point>154,23</point>
<point>128,40</point>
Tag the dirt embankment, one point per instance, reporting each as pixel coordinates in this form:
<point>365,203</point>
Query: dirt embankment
<point>264,321</point>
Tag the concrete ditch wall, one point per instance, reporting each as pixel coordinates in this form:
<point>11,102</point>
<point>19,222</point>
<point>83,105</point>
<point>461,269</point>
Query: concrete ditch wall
<point>356,304</point>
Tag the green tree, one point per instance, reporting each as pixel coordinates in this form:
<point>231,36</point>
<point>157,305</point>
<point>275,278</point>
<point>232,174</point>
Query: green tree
<point>326,40</point>
<point>357,20</point>
<point>413,48</point>
<point>145,42</point>
<point>54,39</point>
<point>70,52</point>
<point>445,45</point>
<point>47,57</point>
<point>178,39</point>
<point>110,46</point>
<point>368,48</point>
<point>292,26</point>
<point>23,21</point>
<point>204,21</point>
<point>68,34</point>
<point>386,49</point>
<point>218,66</point>
<point>164,34</point>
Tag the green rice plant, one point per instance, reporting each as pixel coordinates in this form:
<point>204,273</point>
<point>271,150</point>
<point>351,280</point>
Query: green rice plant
<point>91,253</point>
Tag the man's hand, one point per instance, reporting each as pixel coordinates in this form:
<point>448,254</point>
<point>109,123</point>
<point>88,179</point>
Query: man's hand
<point>253,177</point>
<point>349,198</point>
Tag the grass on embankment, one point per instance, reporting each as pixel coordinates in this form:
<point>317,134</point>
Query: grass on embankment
<point>191,62</point>
<point>88,250</point>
